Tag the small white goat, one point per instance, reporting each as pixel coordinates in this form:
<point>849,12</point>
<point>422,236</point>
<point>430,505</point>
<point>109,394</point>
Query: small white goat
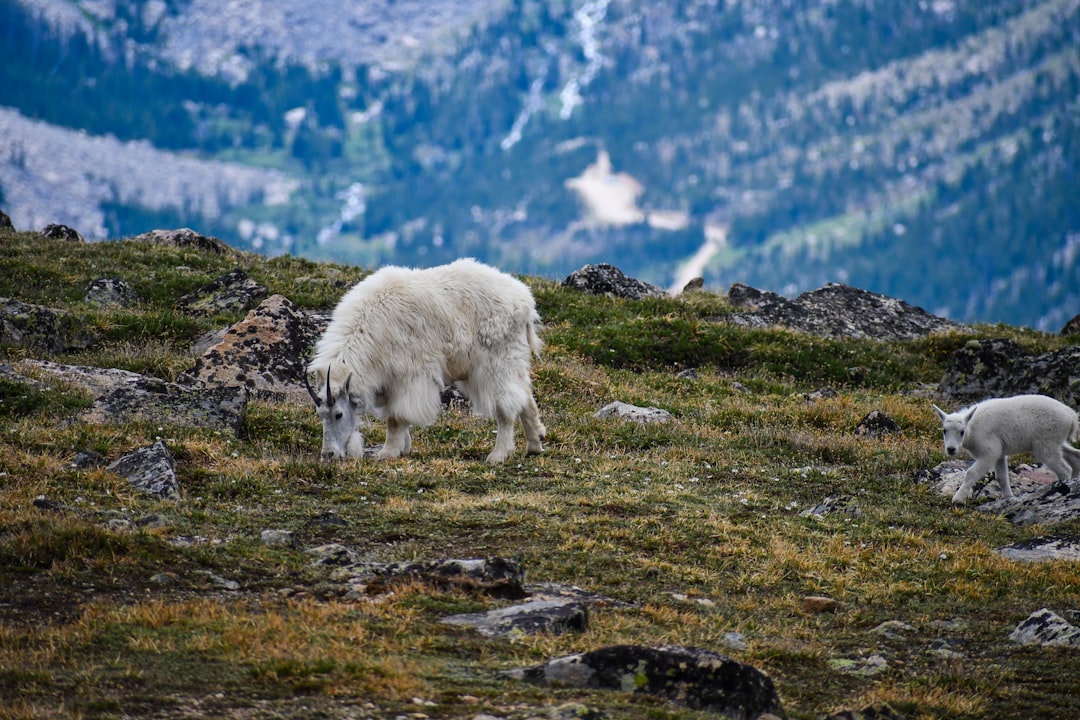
<point>400,336</point>
<point>993,429</point>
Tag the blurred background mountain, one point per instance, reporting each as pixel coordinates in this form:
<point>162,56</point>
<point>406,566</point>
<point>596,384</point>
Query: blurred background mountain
<point>926,149</point>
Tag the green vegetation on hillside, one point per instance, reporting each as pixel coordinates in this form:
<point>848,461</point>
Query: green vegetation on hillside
<point>112,602</point>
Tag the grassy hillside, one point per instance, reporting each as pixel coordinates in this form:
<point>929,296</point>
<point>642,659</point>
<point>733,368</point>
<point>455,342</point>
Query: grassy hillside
<point>105,614</point>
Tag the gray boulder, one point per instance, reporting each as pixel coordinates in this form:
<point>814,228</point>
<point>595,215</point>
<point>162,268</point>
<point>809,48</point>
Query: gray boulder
<point>41,328</point>
<point>152,400</point>
<point>1000,368</point>
<point>1042,549</point>
<point>5,221</point>
<point>836,310</point>
<point>604,279</point>
<point>263,354</point>
<point>697,678</point>
<point>232,292</point>
<point>877,425</point>
<point>150,469</point>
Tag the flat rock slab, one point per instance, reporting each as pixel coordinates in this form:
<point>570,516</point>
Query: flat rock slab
<point>694,677</point>
<point>494,576</point>
<point>556,616</point>
<point>605,279</point>
<point>165,403</point>
<point>1042,549</point>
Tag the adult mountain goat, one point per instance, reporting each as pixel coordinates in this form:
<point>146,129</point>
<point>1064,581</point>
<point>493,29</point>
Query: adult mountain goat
<point>994,429</point>
<point>400,336</point>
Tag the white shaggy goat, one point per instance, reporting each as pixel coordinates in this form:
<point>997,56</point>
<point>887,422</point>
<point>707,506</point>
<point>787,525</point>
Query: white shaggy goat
<point>400,336</point>
<point>993,429</point>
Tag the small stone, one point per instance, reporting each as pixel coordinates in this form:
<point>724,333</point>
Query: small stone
<point>815,604</point>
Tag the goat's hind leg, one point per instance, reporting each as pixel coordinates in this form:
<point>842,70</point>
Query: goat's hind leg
<point>533,428</point>
<point>1001,472</point>
<point>1072,457</point>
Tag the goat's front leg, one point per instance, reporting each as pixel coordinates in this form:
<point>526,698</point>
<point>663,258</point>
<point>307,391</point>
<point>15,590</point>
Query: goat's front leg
<point>504,437</point>
<point>398,439</point>
<point>1001,470</point>
<point>974,474</point>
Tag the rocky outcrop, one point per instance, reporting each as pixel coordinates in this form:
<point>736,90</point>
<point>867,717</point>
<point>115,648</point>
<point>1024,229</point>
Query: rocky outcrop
<point>152,400</point>
<point>264,354</point>
<point>836,310</point>
<point>62,232</point>
<point>604,279</point>
<point>1000,368</point>
<point>5,221</point>
<point>1039,497</point>
<point>694,677</point>
<point>186,238</point>
<point>43,328</point>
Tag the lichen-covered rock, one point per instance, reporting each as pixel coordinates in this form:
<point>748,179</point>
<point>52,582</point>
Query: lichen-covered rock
<point>605,279</point>
<point>1042,549</point>
<point>264,353</point>
<point>43,328</point>
<point>1047,628</point>
<point>110,292</point>
<point>232,292</point>
<point>836,310</point>
<point>984,369</point>
<point>150,469</point>
<point>694,677</point>
<point>185,238</point>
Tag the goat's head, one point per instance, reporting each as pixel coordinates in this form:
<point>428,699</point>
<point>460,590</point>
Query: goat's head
<point>341,418</point>
<point>954,428</point>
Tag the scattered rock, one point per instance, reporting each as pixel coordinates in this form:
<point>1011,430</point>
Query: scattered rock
<point>693,285</point>
<point>839,505</point>
<point>558,616</point>
<point>1043,548</point>
<point>984,369</point>
<point>815,604</point>
<point>696,678</point>
<point>494,576</point>
<point>893,630</point>
<point>263,354</point>
<point>151,470</point>
<point>185,238</point>
<point>232,292</point>
<point>1046,628</point>
<point>864,667</point>
<point>873,712</point>
<point>604,279</point>
<point>633,412</point>
<point>822,394</point>
<point>88,460</point>
<point>333,555</point>
<point>42,328</point>
<point>279,538</point>
<point>62,232</point>
<point>836,310</point>
<point>877,425</point>
<point>110,292</point>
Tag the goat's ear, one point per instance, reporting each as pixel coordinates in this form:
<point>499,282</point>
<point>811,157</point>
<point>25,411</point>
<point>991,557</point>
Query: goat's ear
<point>940,413</point>
<point>969,413</point>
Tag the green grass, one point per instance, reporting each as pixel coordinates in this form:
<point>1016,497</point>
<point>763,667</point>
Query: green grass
<point>104,614</point>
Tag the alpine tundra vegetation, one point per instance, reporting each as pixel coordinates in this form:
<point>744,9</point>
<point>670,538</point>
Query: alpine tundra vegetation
<point>755,524</point>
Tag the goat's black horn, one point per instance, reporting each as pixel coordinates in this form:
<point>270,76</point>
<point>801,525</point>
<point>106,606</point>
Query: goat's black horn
<point>311,392</point>
<point>328,383</point>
